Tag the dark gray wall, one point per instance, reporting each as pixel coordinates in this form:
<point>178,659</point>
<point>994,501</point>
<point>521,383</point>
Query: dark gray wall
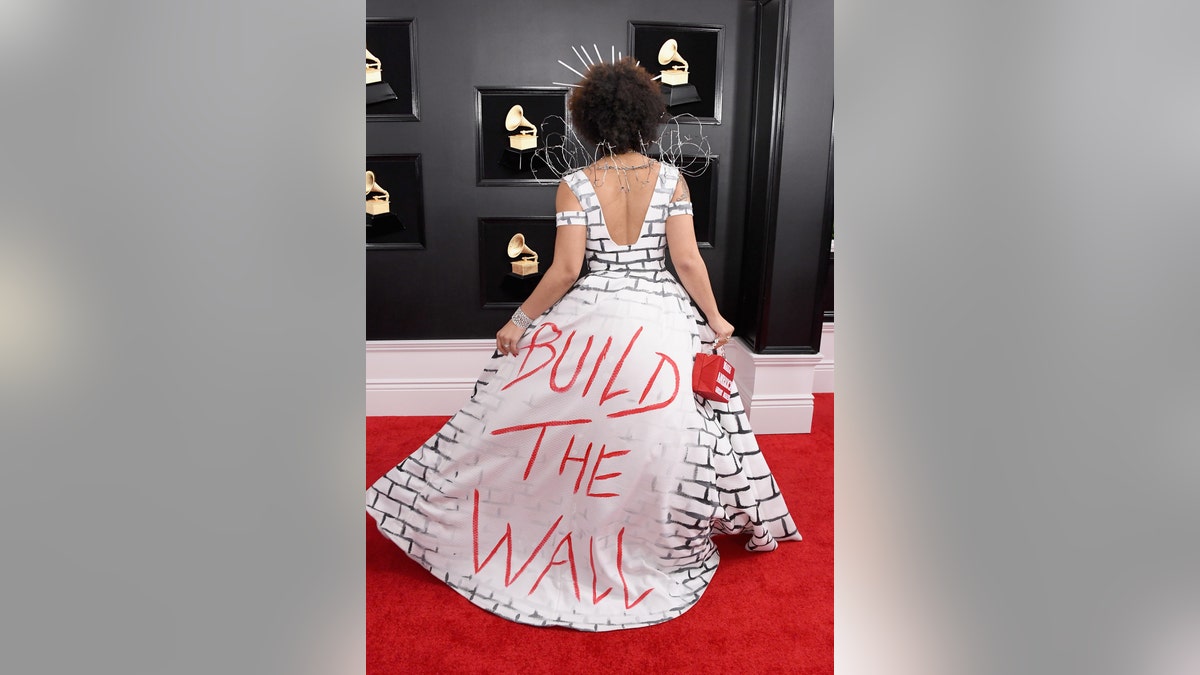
<point>801,234</point>
<point>789,215</point>
<point>435,292</point>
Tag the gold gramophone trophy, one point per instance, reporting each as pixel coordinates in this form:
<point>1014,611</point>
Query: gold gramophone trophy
<point>528,264</point>
<point>379,201</point>
<point>526,138</point>
<point>522,145</point>
<point>381,222</point>
<point>675,86</point>
<point>378,91</point>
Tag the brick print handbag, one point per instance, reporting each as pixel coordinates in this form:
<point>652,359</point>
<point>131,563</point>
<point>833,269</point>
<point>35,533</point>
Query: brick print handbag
<point>712,377</point>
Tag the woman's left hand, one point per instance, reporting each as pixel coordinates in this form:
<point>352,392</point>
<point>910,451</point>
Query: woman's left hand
<point>722,329</point>
<point>508,337</point>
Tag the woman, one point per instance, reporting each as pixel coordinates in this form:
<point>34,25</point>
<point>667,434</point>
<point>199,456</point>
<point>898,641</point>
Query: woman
<point>583,482</point>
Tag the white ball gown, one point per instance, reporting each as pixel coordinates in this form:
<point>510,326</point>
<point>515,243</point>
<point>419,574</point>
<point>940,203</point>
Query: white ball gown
<point>583,482</point>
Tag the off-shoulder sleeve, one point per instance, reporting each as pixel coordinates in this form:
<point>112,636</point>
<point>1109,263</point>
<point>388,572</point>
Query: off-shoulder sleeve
<point>570,218</point>
<point>679,209</point>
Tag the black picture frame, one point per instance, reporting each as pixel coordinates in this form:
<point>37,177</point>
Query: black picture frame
<point>394,43</point>
<point>545,108</point>
<point>499,288</point>
<point>403,227</point>
<point>703,45</point>
<point>703,188</point>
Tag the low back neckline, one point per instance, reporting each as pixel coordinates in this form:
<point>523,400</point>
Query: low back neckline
<point>649,205</point>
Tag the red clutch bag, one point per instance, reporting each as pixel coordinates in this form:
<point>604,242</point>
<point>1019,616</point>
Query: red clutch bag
<point>712,377</point>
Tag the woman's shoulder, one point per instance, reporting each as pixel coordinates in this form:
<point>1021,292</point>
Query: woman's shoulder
<point>574,179</point>
<point>669,168</point>
<point>572,187</point>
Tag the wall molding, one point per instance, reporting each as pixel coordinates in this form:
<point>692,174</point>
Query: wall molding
<point>777,389</point>
<point>823,377</point>
<point>423,377</point>
<point>436,377</point>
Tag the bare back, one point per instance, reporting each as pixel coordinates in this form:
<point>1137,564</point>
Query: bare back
<point>624,197</point>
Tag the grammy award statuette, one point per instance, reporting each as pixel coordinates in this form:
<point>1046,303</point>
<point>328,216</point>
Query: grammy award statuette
<point>675,86</point>
<point>522,145</point>
<point>378,91</point>
<point>528,264</point>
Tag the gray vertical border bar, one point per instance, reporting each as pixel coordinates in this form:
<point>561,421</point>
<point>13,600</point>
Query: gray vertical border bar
<point>181,341</point>
<point>1017,372</point>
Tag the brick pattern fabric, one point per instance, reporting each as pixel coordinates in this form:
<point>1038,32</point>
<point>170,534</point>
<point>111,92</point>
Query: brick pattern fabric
<point>582,483</point>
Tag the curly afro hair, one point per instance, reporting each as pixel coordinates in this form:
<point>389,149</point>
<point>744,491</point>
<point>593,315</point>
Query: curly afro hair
<point>617,106</point>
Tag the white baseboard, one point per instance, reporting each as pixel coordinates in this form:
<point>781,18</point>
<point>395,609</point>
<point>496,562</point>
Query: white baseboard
<point>781,414</point>
<point>436,377</point>
<point>423,377</point>
<point>777,389</point>
<point>823,377</point>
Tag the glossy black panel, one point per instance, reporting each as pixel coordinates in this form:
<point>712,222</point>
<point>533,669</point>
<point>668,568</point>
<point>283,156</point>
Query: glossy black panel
<point>766,219</point>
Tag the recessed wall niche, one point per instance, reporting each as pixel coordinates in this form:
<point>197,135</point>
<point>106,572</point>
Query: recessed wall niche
<point>688,60</point>
<point>502,286</point>
<point>395,202</point>
<point>391,89</point>
<point>512,126</point>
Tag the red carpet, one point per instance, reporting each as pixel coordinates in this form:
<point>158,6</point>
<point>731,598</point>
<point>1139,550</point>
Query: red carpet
<point>763,612</point>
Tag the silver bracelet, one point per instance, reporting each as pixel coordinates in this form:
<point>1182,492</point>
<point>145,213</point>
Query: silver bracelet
<point>521,320</point>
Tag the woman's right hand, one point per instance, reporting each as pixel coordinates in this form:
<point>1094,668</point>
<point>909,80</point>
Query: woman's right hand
<point>722,329</point>
<point>508,337</point>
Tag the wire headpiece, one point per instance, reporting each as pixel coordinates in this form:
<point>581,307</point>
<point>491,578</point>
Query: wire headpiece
<point>681,142</point>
